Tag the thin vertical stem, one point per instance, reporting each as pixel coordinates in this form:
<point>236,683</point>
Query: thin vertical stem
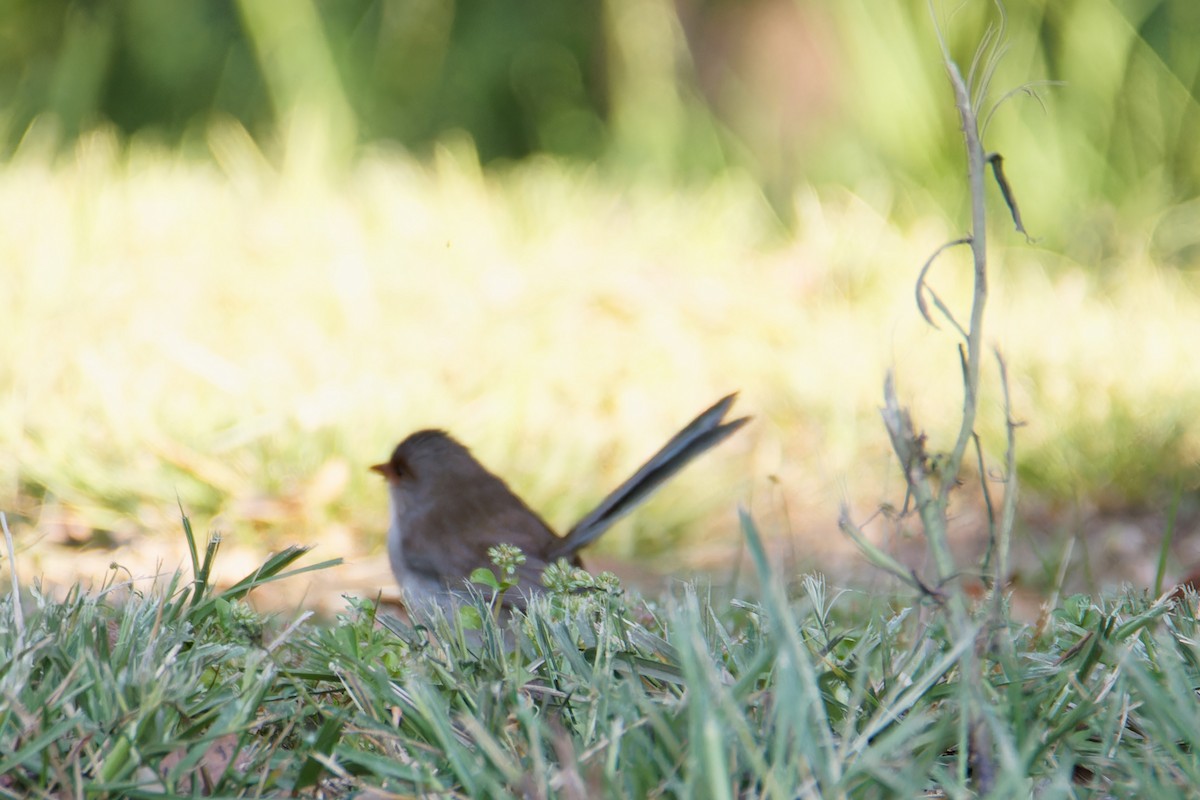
<point>976,162</point>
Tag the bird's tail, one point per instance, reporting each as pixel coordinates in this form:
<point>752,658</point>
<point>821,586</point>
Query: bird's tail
<point>705,431</point>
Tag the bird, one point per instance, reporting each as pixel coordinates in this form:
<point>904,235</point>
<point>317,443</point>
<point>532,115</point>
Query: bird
<point>447,510</point>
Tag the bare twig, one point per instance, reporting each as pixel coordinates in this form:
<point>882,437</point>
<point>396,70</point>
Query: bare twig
<point>1028,89</point>
<point>988,507</point>
<point>1009,513</point>
<point>875,555</point>
<point>910,450</point>
<point>975,168</point>
<point>923,287</point>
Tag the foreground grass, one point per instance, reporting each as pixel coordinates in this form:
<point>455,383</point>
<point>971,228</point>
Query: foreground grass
<point>180,689</point>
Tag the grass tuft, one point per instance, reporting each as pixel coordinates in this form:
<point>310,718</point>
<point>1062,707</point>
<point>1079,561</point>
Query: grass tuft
<point>822,694</point>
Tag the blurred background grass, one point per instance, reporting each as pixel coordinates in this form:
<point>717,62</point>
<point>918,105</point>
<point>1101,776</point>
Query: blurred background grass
<point>246,247</point>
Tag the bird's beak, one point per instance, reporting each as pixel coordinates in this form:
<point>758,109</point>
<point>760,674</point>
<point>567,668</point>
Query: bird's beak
<point>384,469</point>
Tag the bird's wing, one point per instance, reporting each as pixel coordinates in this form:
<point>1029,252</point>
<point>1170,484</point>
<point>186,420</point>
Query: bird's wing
<point>459,548</point>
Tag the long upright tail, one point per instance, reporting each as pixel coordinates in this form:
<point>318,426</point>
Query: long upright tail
<point>705,431</point>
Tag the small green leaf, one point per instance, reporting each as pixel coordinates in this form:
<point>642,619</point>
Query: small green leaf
<point>468,617</point>
<point>484,575</point>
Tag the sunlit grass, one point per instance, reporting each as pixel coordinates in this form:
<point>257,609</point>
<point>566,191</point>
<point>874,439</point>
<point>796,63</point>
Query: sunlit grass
<point>247,342</point>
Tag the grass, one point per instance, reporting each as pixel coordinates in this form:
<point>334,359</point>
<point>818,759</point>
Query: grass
<point>179,688</point>
<point>247,341</point>
<point>244,352</point>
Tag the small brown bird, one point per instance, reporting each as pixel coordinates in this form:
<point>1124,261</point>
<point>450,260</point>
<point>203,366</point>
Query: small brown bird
<point>447,509</point>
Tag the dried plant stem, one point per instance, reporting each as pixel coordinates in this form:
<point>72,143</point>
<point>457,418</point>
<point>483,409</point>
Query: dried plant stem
<point>976,160</point>
<point>1008,513</point>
